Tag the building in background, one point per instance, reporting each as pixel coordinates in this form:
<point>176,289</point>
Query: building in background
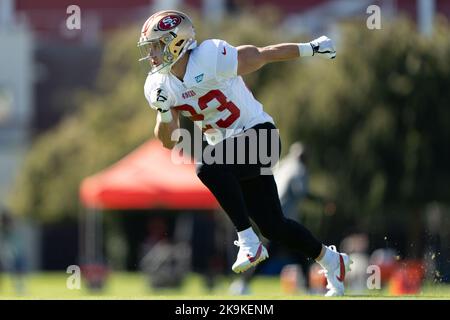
<point>16,94</point>
<point>16,112</point>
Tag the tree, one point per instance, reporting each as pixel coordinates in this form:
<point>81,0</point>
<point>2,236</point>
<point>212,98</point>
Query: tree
<point>377,121</point>
<point>113,120</point>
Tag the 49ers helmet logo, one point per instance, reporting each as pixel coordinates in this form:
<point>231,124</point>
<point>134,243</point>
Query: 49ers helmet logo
<point>169,22</point>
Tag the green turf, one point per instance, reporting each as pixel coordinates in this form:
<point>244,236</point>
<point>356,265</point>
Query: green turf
<point>135,286</point>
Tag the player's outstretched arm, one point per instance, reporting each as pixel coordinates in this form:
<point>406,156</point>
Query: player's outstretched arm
<point>251,58</point>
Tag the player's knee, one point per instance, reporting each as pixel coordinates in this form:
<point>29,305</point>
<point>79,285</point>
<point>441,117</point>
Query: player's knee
<point>271,234</point>
<point>272,230</point>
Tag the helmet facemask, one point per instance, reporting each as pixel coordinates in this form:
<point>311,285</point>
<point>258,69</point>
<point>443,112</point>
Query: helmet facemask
<point>155,53</point>
<point>162,53</point>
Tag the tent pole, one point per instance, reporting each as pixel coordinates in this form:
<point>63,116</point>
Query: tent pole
<point>99,237</point>
<point>81,235</point>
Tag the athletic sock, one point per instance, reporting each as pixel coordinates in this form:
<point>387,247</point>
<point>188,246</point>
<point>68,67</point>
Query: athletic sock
<point>248,235</point>
<point>329,259</point>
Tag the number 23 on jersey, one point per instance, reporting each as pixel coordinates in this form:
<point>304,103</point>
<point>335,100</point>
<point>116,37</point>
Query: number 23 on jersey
<point>224,104</point>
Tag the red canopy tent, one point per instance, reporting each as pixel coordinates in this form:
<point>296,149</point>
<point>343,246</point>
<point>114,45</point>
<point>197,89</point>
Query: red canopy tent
<point>149,177</point>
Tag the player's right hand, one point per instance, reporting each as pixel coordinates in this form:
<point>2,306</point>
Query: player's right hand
<point>159,100</point>
<point>324,47</point>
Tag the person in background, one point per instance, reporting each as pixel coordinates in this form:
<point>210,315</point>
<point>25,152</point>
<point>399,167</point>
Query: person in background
<point>12,258</point>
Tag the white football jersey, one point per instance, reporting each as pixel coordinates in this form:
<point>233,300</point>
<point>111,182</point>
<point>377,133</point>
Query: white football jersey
<point>211,93</point>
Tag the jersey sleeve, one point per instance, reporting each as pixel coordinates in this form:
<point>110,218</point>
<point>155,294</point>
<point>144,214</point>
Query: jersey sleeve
<point>218,59</point>
<point>152,83</point>
<point>227,60</point>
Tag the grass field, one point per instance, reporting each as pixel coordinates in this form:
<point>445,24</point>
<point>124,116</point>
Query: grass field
<point>135,286</point>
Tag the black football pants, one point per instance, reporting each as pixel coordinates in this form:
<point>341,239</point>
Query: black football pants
<point>244,192</point>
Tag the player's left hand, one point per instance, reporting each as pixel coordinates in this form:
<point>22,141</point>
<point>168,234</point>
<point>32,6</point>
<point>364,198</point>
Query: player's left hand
<point>323,47</point>
<point>159,100</point>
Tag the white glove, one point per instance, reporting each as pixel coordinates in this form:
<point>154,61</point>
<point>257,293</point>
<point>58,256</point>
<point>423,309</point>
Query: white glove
<point>159,100</point>
<point>323,47</point>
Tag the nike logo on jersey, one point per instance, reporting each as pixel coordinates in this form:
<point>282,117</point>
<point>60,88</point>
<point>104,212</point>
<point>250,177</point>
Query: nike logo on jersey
<point>224,52</point>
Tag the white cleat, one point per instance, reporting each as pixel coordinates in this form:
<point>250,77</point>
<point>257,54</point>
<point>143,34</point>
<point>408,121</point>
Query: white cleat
<point>336,276</point>
<point>249,255</point>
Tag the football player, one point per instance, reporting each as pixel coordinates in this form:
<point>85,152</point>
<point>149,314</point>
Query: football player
<point>204,83</point>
